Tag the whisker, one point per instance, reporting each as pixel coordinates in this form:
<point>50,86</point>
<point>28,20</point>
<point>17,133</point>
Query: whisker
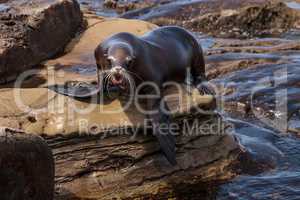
<point>109,76</point>
<point>130,81</point>
<point>130,84</point>
<point>105,80</point>
<point>135,74</point>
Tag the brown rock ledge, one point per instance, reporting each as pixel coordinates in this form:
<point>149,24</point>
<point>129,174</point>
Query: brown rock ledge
<point>98,157</point>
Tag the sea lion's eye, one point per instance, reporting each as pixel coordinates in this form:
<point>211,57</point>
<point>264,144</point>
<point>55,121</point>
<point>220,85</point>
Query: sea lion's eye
<point>108,62</point>
<point>128,60</point>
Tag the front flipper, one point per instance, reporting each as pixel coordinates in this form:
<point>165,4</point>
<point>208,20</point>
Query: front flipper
<point>76,89</point>
<point>161,130</point>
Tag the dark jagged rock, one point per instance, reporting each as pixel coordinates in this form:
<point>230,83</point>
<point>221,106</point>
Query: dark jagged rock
<point>33,31</point>
<point>270,19</point>
<point>26,167</point>
<point>234,19</point>
<point>120,6</point>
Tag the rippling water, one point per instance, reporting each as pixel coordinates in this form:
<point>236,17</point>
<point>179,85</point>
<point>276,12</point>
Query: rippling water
<point>282,182</point>
<point>277,73</point>
<point>263,138</point>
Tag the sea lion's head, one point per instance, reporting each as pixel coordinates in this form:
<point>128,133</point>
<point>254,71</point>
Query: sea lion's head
<point>119,58</point>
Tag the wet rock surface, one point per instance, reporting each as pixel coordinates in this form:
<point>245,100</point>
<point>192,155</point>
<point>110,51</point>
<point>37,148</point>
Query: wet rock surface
<point>26,166</point>
<point>33,31</point>
<point>259,19</point>
<point>272,64</point>
<point>258,80</point>
<point>262,20</point>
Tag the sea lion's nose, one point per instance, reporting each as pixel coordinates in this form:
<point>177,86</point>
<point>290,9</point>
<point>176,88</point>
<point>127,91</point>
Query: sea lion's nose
<point>117,69</point>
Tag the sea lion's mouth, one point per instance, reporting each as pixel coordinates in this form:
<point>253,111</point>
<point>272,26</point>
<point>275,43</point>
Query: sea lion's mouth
<point>116,82</point>
<point>119,81</point>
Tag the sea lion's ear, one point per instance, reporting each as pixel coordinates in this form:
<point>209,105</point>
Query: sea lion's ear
<point>130,58</point>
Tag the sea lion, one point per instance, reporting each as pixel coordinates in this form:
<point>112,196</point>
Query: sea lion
<point>159,56</point>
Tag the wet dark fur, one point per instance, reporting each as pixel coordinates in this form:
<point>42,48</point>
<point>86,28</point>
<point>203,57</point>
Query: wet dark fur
<point>161,55</point>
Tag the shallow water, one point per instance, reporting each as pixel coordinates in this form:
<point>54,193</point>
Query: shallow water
<point>262,134</point>
<point>293,4</point>
<point>97,7</point>
<point>282,182</point>
<point>161,10</point>
<point>3,7</point>
<point>272,76</point>
<point>155,8</point>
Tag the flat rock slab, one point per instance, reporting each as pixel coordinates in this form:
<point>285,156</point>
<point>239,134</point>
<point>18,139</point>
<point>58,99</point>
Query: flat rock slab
<point>33,31</point>
<point>45,112</point>
<point>106,150</point>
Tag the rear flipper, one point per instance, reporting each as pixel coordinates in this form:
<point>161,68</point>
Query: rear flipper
<point>160,123</point>
<point>203,86</point>
<point>204,89</point>
<point>198,71</point>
